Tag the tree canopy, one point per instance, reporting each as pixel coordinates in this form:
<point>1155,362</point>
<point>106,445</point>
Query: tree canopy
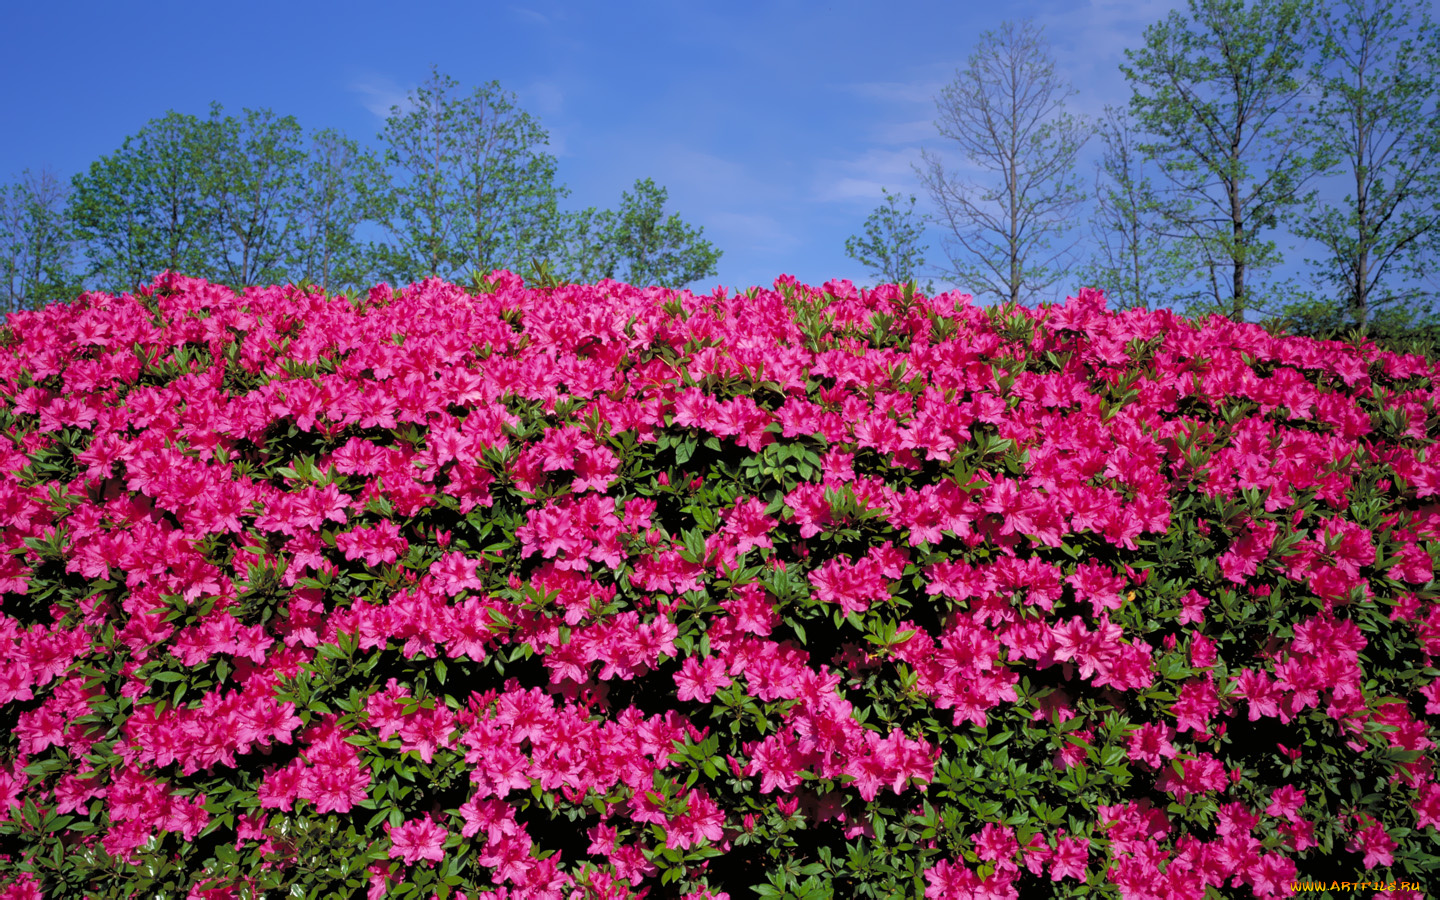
<point>638,244</point>
<point>471,188</point>
<point>462,184</point>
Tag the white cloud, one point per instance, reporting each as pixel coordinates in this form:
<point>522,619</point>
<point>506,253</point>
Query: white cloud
<point>530,15</point>
<point>904,132</point>
<point>757,231</point>
<point>1088,42</point>
<point>862,177</point>
<point>542,98</point>
<point>922,91</point>
<point>695,177</point>
<point>720,194</point>
<point>380,94</point>
<point>850,189</point>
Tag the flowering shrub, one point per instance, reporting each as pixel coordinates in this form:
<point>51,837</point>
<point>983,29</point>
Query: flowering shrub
<point>599,592</point>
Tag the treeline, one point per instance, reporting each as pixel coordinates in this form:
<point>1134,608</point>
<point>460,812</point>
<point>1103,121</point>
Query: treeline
<point>1240,113</point>
<point>462,186</point>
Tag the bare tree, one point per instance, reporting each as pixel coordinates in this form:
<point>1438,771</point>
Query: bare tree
<point>1006,111</point>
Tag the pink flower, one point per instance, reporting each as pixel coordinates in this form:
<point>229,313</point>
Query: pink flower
<point>1427,809</point>
<point>416,840</point>
<point>24,887</point>
<point>945,880</point>
<point>1197,705</point>
<point>854,585</point>
<point>380,879</point>
<point>1150,744</point>
<point>1192,609</point>
<point>1070,858</point>
<point>335,787</point>
<point>427,730</point>
<point>1272,874</point>
<point>1375,842</point>
<point>186,816</point>
<point>700,679</point>
<point>748,525</point>
<point>1202,651</point>
<point>1285,803</point>
<point>701,821</point>
<point>754,611</point>
<point>1099,585</point>
<point>73,791</point>
<point>997,844</point>
<point>381,543</point>
<point>778,761</point>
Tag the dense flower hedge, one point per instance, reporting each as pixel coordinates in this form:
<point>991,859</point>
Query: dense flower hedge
<point>603,592</point>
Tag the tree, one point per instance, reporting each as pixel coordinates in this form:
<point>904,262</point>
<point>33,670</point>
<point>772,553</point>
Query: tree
<point>648,251</point>
<point>1006,111</point>
<point>344,184</point>
<point>1136,263</point>
<point>473,191</point>
<point>1219,95</point>
<point>637,244</point>
<point>258,179</point>
<point>891,247</point>
<point>587,254</point>
<point>36,249</point>
<point>1379,115</point>
<point>152,205</point>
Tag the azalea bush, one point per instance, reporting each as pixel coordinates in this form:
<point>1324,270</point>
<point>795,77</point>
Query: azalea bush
<point>601,592</point>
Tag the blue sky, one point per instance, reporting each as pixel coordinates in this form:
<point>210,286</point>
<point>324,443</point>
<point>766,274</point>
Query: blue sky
<point>773,125</point>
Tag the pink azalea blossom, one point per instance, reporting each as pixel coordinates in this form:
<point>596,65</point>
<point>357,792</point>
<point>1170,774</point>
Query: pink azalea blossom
<point>415,840</point>
<point>700,679</point>
<point>1371,839</point>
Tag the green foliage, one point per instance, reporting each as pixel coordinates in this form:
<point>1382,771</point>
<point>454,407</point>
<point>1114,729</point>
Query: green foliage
<point>153,205</point>
<point>36,246</point>
<point>463,187</point>
<point>237,200</point>
<point>1379,118</point>
<point>891,248</point>
<point>1136,262</point>
<point>636,244</point>
<point>259,191</point>
<point>1217,92</point>
<point>346,185</point>
<point>1394,329</point>
<point>470,188</point>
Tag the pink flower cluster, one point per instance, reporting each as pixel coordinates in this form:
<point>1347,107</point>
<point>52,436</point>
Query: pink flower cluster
<point>224,496</point>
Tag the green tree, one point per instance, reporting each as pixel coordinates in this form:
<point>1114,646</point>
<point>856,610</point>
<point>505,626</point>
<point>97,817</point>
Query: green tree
<point>152,205</point>
<point>1379,116</point>
<point>344,186</point>
<point>470,189</point>
<point>653,249</point>
<point>259,186</point>
<point>637,243</point>
<point>1006,112</point>
<point>36,248</point>
<point>1219,94</point>
<point>1135,262</point>
<point>891,247</point>
<point>587,254</point>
